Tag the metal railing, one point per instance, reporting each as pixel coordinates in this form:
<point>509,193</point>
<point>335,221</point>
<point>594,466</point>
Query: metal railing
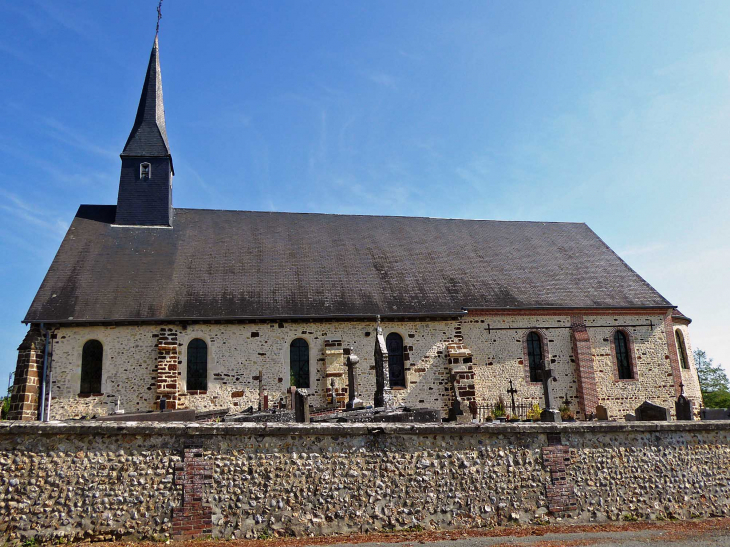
<point>521,410</point>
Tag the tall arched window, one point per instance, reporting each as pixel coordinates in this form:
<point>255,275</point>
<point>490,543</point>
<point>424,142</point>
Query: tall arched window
<point>396,367</point>
<point>534,355</point>
<point>681,349</point>
<point>91,359</point>
<point>623,359</point>
<point>197,365</point>
<point>299,363</point>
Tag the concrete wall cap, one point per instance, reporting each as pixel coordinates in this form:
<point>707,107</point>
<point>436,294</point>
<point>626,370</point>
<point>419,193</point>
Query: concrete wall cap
<point>278,429</point>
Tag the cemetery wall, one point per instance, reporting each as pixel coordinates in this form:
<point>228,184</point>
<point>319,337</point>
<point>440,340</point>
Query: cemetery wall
<point>109,480</point>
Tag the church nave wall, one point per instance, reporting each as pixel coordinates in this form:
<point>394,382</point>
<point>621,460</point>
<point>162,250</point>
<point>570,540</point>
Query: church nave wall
<point>236,353</point>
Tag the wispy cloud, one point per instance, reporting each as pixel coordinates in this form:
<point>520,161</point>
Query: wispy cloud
<point>648,249</point>
<point>409,55</point>
<point>76,174</point>
<point>381,78</point>
<point>21,56</point>
<point>76,138</point>
<point>22,210</point>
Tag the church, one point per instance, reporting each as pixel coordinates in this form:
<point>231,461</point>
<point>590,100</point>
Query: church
<point>207,309</point>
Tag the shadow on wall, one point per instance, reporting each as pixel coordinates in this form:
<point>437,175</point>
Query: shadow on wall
<point>433,387</point>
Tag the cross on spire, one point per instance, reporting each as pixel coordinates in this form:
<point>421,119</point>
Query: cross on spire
<point>159,16</point>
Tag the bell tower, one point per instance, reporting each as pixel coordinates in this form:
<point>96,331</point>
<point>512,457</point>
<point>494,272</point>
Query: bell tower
<point>145,184</point>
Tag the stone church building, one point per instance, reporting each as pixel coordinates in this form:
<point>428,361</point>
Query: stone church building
<point>207,307</point>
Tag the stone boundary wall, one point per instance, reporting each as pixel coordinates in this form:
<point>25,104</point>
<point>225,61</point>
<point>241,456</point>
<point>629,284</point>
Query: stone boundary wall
<point>108,480</point>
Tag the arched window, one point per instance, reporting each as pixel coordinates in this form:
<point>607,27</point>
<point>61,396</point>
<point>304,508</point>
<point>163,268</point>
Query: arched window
<point>623,360</point>
<point>396,367</point>
<point>299,363</point>
<point>534,355</point>
<point>197,365</point>
<point>91,359</point>
<point>681,349</point>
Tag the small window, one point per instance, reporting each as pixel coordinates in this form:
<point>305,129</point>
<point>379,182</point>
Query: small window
<point>396,366</point>
<point>145,171</point>
<point>197,365</point>
<point>299,363</point>
<point>623,361</point>
<point>534,355</point>
<point>681,349</point>
<point>91,360</point>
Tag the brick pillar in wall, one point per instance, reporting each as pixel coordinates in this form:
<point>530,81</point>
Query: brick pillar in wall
<point>168,383</point>
<point>28,370</point>
<point>585,373</point>
<point>672,355</point>
<point>560,492</point>
<point>195,474</point>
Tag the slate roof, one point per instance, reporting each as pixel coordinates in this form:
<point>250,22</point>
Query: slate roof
<point>678,315</point>
<point>238,264</point>
<point>148,137</point>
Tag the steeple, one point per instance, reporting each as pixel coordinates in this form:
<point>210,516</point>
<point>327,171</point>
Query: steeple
<point>145,184</point>
<point>148,137</point>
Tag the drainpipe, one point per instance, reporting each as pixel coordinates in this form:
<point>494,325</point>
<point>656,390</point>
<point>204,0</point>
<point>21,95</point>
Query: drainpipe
<point>47,402</point>
<point>42,398</point>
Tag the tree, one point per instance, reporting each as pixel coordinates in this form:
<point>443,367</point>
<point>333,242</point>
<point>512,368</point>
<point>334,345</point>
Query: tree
<point>713,381</point>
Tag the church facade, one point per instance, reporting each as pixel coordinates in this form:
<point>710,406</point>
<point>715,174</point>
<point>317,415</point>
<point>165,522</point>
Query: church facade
<point>211,309</point>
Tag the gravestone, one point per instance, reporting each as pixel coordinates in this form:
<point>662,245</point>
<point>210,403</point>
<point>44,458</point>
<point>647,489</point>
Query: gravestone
<point>417,415</point>
<point>683,408</point>
<point>715,413</point>
<point>601,413</point>
<point>456,413</point>
<point>301,406</point>
<point>473,409</point>
<point>649,412</point>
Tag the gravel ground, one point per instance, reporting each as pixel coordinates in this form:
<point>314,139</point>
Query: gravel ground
<point>695,533</point>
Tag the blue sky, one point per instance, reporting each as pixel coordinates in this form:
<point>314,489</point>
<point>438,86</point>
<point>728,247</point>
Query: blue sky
<point>616,114</point>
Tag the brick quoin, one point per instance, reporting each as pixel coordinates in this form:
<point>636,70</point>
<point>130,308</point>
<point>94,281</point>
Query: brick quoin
<point>585,372</point>
<point>24,402</point>
<point>672,352</point>
<point>194,517</point>
<point>167,369</point>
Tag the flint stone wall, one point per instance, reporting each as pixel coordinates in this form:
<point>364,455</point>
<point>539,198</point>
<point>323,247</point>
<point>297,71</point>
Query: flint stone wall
<point>104,480</point>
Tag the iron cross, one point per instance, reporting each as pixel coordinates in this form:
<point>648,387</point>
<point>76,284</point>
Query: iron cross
<point>512,391</point>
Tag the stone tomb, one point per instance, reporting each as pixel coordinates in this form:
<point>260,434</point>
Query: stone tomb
<point>649,412</point>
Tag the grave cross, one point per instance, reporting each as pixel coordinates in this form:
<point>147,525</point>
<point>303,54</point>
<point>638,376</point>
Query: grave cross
<point>352,400</point>
<point>545,375</point>
<point>512,391</point>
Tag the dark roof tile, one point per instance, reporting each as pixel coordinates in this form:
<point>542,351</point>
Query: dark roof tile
<point>237,264</point>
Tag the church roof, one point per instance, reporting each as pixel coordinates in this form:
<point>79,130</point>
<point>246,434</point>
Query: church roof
<point>148,137</point>
<point>247,265</point>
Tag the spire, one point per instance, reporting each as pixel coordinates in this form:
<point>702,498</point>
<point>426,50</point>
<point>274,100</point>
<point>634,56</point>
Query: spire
<point>148,137</point>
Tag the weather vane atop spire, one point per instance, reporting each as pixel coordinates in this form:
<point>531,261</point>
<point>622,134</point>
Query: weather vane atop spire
<point>159,16</point>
